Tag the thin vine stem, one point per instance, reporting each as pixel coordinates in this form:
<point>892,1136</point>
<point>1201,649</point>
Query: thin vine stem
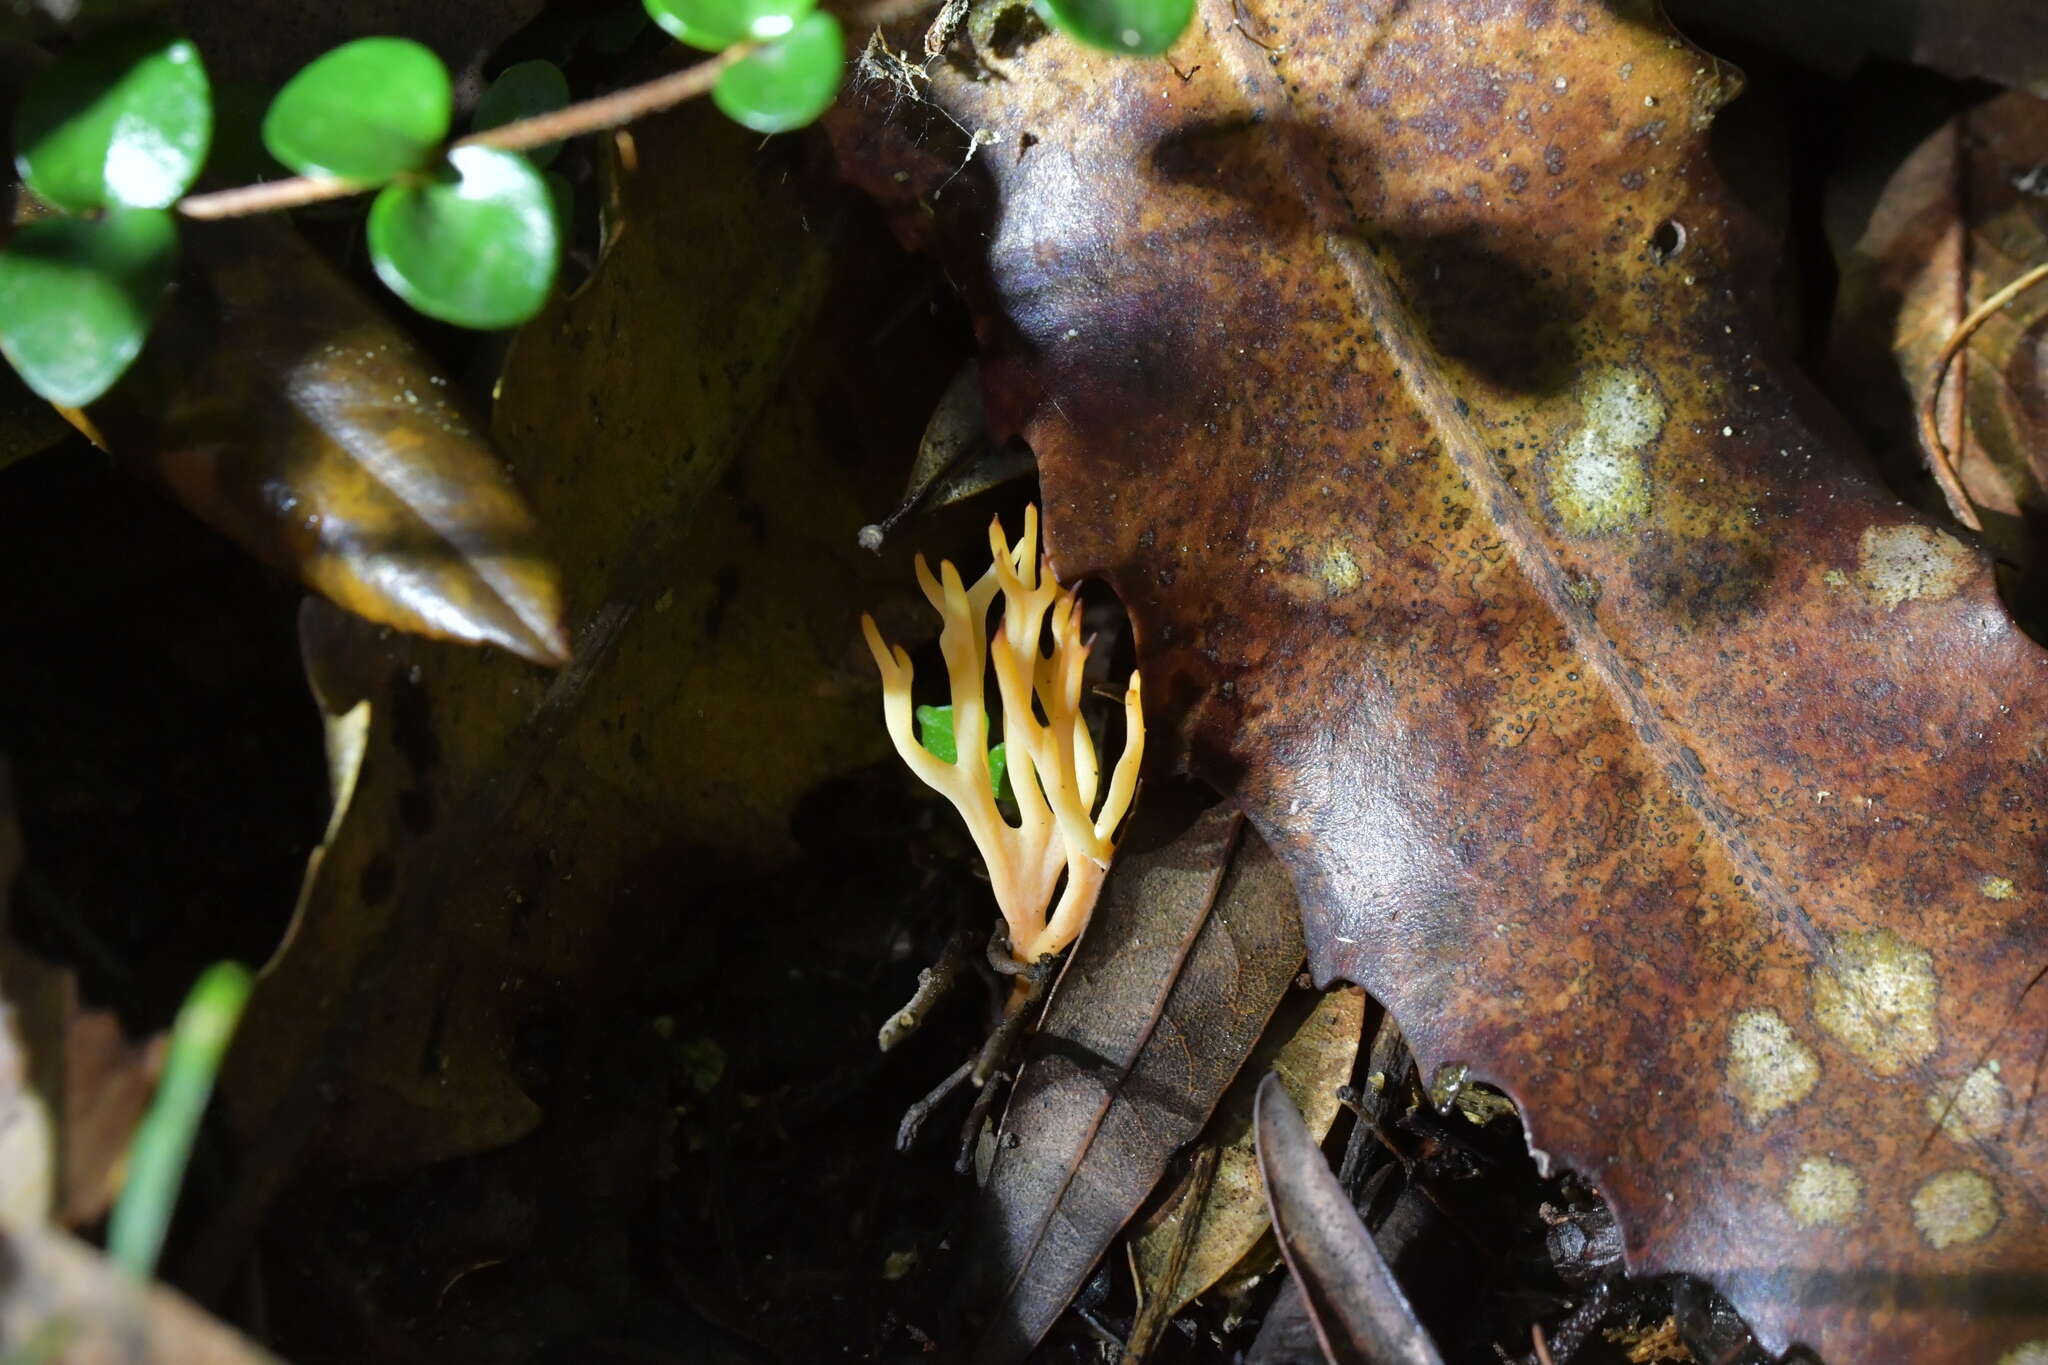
<point>591,116</point>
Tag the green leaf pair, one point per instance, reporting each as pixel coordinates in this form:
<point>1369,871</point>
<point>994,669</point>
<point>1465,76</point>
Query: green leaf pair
<point>935,732</point>
<point>117,129</point>
<point>469,238</point>
<point>781,85</point>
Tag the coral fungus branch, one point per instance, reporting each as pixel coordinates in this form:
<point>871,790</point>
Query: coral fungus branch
<point>1062,842</point>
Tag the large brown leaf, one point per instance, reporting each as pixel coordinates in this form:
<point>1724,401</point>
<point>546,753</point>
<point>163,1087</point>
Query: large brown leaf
<point>1403,367</point>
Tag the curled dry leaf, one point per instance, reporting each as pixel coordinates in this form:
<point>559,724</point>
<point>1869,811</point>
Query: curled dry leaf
<point>1405,369</point>
<point>285,410</point>
<point>1192,947</point>
<point>1961,218</point>
<point>1311,1045</point>
<point>1360,1314</point>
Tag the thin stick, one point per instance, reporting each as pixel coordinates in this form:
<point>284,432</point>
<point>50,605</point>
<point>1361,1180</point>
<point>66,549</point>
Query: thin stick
<point>1930,428</point>
<point>591,116</point>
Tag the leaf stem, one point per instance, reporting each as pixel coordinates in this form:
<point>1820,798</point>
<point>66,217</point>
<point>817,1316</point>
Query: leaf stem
<point>606,111</point>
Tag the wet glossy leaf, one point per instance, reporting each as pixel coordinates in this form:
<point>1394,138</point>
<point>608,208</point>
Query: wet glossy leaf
<point>120,119</point>
<point>789,82</point>
<point>524,90</point>
<point>1143,28</point>
<point>478,250</point>
<point>1622,732</point>
<point>367,111</point>
<point>77,296</point>
<point>1195,937</point>
<point>715,25</point>
<point>285,410</point>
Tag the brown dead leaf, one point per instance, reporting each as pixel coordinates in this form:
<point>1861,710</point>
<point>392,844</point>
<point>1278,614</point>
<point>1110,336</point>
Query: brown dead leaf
<point>1360,1314</point>
<point>1192,947</point>
<point>1953,226</point>
<point>1404,368</point>
<point>514,835</point>
<point>1311,1045</point>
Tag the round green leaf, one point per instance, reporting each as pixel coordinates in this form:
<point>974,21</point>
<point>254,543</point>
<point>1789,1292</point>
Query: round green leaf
<point>368,110</point>
<point>77,295</point>
<point>1143,28</point>
<point>715,25</point>
<point>120,119</point>
<point>788,83</point>
<point>478,248</point>
<point>523,90</point>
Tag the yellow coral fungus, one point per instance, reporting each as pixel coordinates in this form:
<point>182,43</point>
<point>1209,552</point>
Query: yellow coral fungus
<point>1052,762</point>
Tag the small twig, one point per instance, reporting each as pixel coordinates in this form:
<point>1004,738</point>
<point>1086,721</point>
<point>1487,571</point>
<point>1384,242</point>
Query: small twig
<point>591,116</point>
<point>1930,428</point>
<point>932,983</point>
<point>970,1131</point>
<point>915,1116</point>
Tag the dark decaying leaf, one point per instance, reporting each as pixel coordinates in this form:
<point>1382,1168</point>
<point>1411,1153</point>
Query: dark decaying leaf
<point>72,1086</point>
<point>61,1301</point>
<point>1956,223</point>
<point>1405,369</point>
<point>516,840</point>
<point>1192,946</point>
<point>1360,1314</point>
<point>291,415</point>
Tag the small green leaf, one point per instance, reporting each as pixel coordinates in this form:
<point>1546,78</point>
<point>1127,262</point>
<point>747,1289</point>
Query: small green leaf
<point>715,25</point>
<point>1141,28</point>
<point>367,111</point>
<point>477,248</point>
<point>121,119</point>
<point>787,83</point>
<point>935,732</point>
<point>77,296</point>
<point>523,90</point>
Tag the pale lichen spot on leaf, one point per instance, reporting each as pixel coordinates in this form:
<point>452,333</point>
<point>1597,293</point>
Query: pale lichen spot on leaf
<point>1998,888</point>
<point>1876,998</point>
<point>1599,480</point>
<point>1898,564</point>
<point>1339,570</point>
<point>1823,1192</point>
<point>1955,1208</point>
<point>1976,1109</point>
<point>1768,1067</point>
